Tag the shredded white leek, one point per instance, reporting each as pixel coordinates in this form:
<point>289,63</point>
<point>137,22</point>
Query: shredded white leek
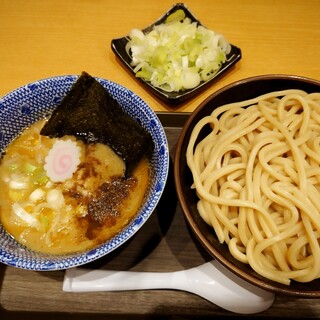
<point>178,54</point>
<point>25,217</point>
<point>55,198</point>
<point>37,195</point>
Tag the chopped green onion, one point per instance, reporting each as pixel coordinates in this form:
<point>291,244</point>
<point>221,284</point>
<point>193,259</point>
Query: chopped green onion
<point>176,16</point>
<point>178,54</point>
<point>29,168</point>
<point>39,177</point>
<point>37,195</point>
<point>16,195</point>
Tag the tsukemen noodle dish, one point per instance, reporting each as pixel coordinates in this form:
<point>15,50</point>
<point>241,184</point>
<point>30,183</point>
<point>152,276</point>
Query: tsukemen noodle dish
<point>256,172</point>
<point>73,180</point>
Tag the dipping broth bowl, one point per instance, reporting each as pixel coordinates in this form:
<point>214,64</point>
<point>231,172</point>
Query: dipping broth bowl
<point>31,102</point>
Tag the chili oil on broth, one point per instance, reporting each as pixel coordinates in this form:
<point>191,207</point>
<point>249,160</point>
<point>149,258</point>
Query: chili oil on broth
<point>65,226</point>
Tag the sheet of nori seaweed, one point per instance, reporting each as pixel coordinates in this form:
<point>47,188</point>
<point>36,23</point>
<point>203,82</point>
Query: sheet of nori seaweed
<point>91,114</point>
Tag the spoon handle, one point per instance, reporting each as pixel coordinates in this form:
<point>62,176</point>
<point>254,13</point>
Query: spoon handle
<point>84,280</point>
<point>210,281</point>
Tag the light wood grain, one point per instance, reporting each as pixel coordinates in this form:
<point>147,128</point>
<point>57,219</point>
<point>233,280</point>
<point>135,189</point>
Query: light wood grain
<point>53,37</point>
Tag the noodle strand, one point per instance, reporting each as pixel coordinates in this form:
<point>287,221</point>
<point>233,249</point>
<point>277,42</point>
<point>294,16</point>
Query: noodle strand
<point>257,175</point>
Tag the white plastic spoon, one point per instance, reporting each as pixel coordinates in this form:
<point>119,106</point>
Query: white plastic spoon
<point>211,281</point>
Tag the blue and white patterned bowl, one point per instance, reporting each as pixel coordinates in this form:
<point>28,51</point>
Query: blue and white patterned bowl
<point>27,104</point>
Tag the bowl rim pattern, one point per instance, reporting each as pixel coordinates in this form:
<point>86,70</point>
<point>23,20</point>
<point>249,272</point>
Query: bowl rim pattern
<point>14,254</point>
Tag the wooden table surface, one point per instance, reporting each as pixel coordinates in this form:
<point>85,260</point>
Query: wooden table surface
<point>44,38</point>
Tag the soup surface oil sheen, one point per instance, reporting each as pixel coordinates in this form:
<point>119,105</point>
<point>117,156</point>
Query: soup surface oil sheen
<point>76,214</point>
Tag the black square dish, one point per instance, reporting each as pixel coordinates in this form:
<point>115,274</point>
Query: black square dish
<point>119,48</point>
